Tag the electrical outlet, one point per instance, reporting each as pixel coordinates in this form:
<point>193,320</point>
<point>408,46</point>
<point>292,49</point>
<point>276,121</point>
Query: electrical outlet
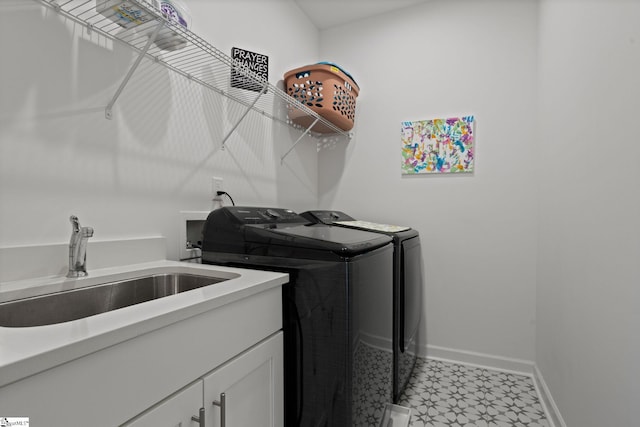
<point>217,184</point>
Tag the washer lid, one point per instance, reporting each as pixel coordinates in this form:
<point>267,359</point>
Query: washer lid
<point>339,240</point>
<point>333,217</point>
<point>373,226</point>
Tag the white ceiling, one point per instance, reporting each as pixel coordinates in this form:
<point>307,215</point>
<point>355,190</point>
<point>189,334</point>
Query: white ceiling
<point>329,13</point>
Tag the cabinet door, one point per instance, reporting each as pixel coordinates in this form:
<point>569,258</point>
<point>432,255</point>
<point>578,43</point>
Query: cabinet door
<point>253,386</point>
<point>175,411</point>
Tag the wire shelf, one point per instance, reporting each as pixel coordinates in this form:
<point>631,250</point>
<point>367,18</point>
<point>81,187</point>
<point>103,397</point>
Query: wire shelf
<point>196,60</point>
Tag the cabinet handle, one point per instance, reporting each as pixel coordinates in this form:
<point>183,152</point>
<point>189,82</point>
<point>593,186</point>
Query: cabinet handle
<point>222,403</point>
<point>200,418</point>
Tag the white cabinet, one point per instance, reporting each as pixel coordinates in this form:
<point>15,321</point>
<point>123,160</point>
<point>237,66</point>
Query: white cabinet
<point>149,373</point>
<point>175,411</point>
<point>248,390</point>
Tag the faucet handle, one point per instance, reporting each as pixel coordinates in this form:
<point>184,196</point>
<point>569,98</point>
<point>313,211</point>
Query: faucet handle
<point>75,223</point>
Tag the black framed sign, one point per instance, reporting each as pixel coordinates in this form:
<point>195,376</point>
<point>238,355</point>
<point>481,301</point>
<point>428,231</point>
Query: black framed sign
<point>256,62</point>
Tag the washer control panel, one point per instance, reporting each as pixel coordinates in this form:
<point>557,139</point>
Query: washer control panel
<point>258,215</point>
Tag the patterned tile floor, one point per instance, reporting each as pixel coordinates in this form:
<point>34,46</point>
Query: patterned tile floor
<point>443,394</point>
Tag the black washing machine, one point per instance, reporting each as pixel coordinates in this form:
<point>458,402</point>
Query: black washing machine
<point>338,296</point>
<point>407,288</point>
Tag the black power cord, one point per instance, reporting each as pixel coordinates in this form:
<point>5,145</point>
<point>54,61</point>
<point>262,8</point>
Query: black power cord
<point>224,193</point>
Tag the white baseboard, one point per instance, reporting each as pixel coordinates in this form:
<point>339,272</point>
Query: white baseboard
<point>499,363</point>
<point>549,405</point>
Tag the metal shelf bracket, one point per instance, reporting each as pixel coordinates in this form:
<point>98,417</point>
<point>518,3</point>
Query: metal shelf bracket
<point>108,114</point>
<point>249,108</point>
<point>298,140</point>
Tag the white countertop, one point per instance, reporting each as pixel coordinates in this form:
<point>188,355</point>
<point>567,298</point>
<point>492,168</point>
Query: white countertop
<point>29,350</point>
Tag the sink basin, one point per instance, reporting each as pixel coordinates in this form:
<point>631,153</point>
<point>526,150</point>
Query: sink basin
<point>80,303</point>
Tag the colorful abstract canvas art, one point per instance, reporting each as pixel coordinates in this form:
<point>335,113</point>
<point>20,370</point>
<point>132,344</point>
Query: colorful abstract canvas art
<point>438,146</point>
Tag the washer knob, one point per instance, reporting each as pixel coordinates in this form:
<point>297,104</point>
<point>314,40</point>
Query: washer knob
<point>272,214</point>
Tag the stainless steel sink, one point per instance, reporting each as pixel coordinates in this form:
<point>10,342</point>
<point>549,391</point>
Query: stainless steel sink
<point>80,303</point>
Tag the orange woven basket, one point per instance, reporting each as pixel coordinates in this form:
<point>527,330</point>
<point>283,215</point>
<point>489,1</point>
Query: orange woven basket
<point>327,90</point>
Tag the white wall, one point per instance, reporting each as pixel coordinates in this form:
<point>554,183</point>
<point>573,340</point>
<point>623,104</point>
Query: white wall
<point>130,176</point>
<point>440,59</point>
<point>588,301</point>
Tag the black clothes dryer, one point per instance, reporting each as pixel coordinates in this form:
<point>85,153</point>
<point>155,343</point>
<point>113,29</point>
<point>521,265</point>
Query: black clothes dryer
<point>407,289</point>
<point>338,296</point>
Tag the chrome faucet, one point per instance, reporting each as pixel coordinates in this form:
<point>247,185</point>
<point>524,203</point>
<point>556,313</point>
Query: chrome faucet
<point>78,248</point>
